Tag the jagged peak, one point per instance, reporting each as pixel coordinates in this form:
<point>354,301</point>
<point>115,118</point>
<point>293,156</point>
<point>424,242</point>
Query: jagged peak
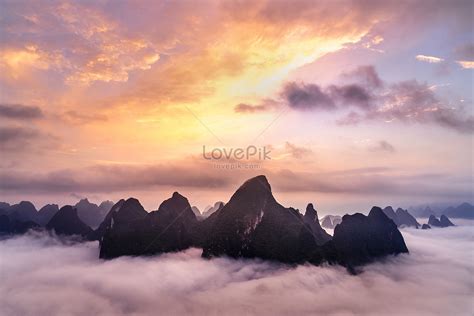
<point>311,212</point>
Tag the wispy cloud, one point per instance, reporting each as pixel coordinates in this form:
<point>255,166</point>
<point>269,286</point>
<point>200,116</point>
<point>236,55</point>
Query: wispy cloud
<point>429,59</point>
<point>382,146</point>
<point>20,111</point>
<point>466,64</point>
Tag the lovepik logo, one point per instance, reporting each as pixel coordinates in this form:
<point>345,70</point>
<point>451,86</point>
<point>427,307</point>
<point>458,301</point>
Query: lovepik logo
<point>239,153</point>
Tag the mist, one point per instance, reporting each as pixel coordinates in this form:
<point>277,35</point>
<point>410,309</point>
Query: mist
<point>40,275</point>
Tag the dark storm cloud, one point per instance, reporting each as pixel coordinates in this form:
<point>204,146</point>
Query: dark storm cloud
<point>20,112</point>
<point>434,279</point>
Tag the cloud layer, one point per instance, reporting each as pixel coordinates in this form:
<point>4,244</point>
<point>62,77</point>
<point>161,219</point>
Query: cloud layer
<point>203,176</point>
<point>45,277</point>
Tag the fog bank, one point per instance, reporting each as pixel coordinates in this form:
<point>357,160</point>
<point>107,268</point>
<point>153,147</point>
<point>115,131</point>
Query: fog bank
<point>42,276</point>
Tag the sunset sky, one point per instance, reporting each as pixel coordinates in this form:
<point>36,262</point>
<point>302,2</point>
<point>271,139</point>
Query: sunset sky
<point>360,102</point>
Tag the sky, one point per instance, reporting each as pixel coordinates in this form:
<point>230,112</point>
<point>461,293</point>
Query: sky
<point>434,279</point>
<point>358,103</point>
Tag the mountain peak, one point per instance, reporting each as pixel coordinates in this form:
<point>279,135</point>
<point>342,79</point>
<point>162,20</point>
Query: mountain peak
<point>311,213</point>
<point>177,205</point>
<point>256,182</point>
<point>67,222</point>
<point>177,195</point>
<point>376,212</point>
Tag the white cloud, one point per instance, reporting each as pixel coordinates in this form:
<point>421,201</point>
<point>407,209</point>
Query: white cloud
<point>466,64</point>
<point>429,59</point>
<point>44,277</point>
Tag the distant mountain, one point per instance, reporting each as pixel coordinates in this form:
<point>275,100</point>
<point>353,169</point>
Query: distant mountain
<point>12,226</point>
<point>196,211</point>
<point>442,222</point>
<point>330,221</point>
<point>67,222</point>
<point>423,212</point>
<point>4,205</point>
<point>311,218</point>
<point>212,209</point>
<point>465,210</point>
<point>401,217</point>
<point>46,213</point>
<point>17,218</point>
<point>24,211</point>
<point>406,219</point>
<point>92,214</point>
<point>445,222</point>
<point>105,206</point>
<point>425,226</point>
<point>106,224</point>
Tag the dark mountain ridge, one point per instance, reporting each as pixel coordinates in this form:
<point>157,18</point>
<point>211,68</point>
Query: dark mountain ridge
<point>252,224</point>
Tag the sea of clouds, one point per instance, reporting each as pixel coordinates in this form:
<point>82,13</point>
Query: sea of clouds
<point>40,275</point>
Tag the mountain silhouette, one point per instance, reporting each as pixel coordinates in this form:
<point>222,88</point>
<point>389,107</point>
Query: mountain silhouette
<point>133,231</point>
<point>91,213</point>
<point>401,217</point>
<point>464,210</point>
<point>46,213</point>
<point>252,224</point>
<point>442,222</point>
<point>67,222</point>
<point>360,239</point>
